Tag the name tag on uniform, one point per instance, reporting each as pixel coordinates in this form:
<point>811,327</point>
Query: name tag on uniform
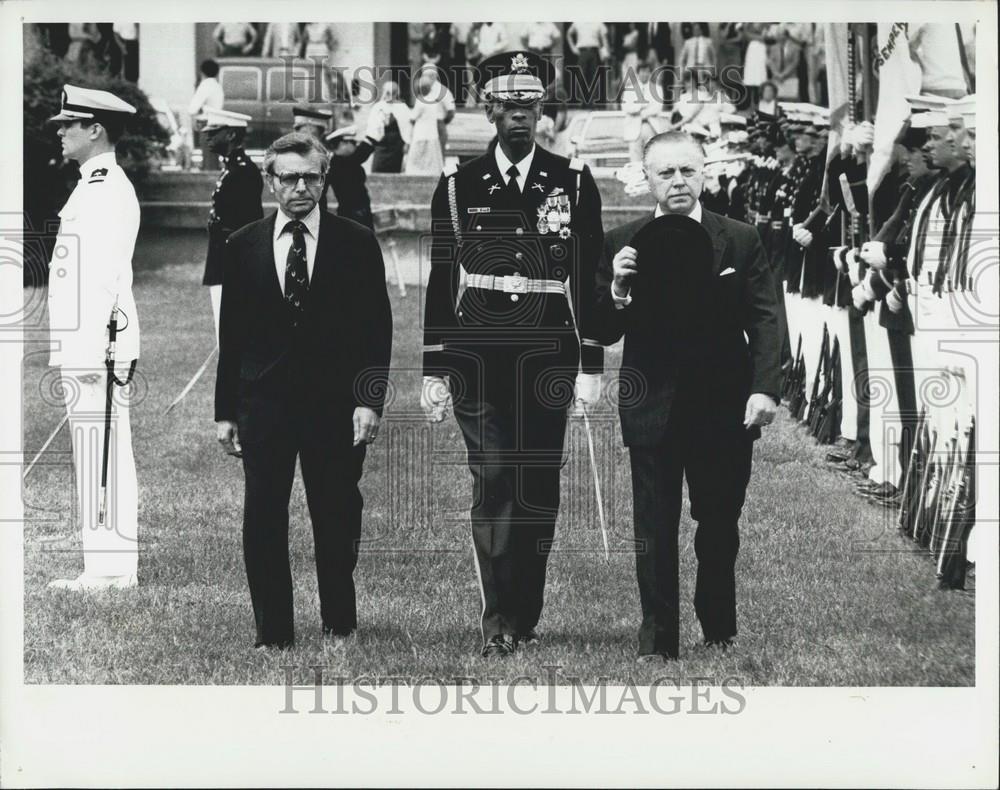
<point>478,210</point>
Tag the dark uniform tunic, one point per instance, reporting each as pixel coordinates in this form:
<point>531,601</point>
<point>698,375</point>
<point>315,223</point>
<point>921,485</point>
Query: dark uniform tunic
<point>807,199</point>
<point>236,202</point>
<point>792,253</point>
<point>388,156</point>
<point>512,356</point>
<point>347,177</point>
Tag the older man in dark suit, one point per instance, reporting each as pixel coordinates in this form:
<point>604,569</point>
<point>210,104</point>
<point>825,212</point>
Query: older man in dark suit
<point>304,345</point>
<point>691,292</point>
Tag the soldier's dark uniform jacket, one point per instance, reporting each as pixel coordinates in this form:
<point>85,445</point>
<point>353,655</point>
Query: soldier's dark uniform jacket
<point>837,283</point>
<point>792,255</point>
<point>550,232</point>
<point>347,177</point>
<point>804,210</point>
<point>236,202</point>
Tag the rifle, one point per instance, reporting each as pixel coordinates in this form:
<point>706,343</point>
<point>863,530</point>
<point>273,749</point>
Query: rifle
<point>914,468</point>
<point>829,423</point>
<point>941,494</point>
<point>961,518</point>
<point>788,385</point>
<point>821,370</point>
<point>918,512</point>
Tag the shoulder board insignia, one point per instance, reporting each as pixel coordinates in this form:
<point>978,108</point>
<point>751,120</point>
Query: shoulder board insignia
<point>101,171</point>
<point>96,180</point>
<point>450,169</point>
<point>575,164</point>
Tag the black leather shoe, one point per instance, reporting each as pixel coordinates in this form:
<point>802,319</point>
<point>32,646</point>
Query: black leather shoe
<point>721,644</point>
<point>529,639</point>
<point>883,491</point>
<point>275,645</point>
<point>500,646</point>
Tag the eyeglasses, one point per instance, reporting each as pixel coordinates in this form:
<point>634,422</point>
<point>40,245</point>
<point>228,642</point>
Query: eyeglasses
<point>291,180</point>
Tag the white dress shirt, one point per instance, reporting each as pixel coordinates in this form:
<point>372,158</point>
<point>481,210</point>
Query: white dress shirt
<point>622,302</point>
<point>283,242</point>
<point>503,164</point>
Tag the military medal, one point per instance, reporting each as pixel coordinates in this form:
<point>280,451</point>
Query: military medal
<point>543,222</point>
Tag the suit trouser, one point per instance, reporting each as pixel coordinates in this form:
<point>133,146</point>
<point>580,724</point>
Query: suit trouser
<point>330,472</point>
<point>112,550</point>
<point>716,461</point>
<point>515,451</point>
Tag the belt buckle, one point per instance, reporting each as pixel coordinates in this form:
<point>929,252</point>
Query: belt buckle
<point>514,284</point>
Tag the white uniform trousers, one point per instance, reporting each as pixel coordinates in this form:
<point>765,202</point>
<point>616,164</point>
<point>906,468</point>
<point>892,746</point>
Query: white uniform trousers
<point>884,419</point>
<point>811,317</point>
<point>839,325</point>
<point>111,550</point>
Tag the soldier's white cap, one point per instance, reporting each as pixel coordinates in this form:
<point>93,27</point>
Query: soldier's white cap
<point>343,133</point>
<point>219,119</point>
<point>80,104</point>
<point>964,109</point>
<point>731,118</point>
<point>928,111</point>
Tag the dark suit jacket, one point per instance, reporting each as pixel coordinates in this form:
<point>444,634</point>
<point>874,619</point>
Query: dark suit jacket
<point>338,356</point>
<point>736,364</point>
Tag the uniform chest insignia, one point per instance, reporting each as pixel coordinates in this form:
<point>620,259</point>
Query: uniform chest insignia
<point>494,188</point>
<point>539,187</point>
<point>556,191</point>
<point>101,171</point>
<point>478,210</point>
<point>543,174</point>
<point>486,176</point>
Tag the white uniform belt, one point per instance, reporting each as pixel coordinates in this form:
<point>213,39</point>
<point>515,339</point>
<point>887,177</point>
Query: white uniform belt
<point>514,284</point>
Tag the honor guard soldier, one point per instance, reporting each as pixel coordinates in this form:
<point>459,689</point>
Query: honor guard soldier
<point>311,119</point>
<point>90,292</point>
<point>236,200</point>
<point>347,175</point>
<point>515,232</point>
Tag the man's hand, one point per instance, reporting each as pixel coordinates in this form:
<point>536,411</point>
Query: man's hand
<point>873,253</point>
<point>365,425</point>
<point>761,410</point>
<point>625,267</point>
<point>860,296</point>
<point>435,398</point>
<point>587,391</point>
<point>228,436</point>
<point>801,236</point>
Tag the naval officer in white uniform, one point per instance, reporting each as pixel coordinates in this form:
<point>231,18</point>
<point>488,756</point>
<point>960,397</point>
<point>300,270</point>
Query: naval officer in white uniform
<point>90,273</point>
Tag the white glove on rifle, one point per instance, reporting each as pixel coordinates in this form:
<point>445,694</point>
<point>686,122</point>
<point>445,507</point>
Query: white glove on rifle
<point>801,236</point>
<point>873,253</point>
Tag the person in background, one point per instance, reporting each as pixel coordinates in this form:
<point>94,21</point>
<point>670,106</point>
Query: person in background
<point>234,39</point>
<point>311,119</point>
<point>426,155</point>
<point>281,40</point>
<point>127,39</point>
<point>393,137</point>
<point>589,42</point>
<point>541,38</point>
<point>661,56</point>
<point>473,57</point>
<point>492,39</point>
<point>458,37</point>
<point>784,54</point>
<point>83,38</point>
<point>698,54</point>
<point>208,95</point>
<point>631,46</point>
<point>729,60</point>
<point>236,200</point>
<point>768,104</point>
<point>640,105</point>
<point>438,93</point>
<point>430,46</point>
<point>347,174</point>
<point>754,62</point>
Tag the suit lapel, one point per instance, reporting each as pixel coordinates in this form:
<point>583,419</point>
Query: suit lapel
<point>265,246</point>
<point>325,244</point>
<point>714,227</point>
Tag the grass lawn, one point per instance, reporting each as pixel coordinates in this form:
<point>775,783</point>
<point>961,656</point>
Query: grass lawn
<point>829,594</point>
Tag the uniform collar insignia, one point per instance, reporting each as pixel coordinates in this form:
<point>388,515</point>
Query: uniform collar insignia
<point>494,188</point>
<point>101,171</point>
<point>538,186</point>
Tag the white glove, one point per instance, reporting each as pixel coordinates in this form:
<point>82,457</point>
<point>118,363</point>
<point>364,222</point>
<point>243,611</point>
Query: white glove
<point>376,126</point>
<point>847,145</point>
<point>859,297</point>
<point>873,253</point>
<point>894,300</point>
<point>801,236</point>
<point>435,398</point>
<point>588,390</point>
<point>839,259</point>
<point>863,135</point>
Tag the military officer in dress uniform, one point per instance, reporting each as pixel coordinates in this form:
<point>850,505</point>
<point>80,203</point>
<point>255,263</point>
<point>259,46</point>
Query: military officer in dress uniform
<point>236,200</point>
<point>89,276</point>
<point>347,174</point>
<point>516,231</point>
